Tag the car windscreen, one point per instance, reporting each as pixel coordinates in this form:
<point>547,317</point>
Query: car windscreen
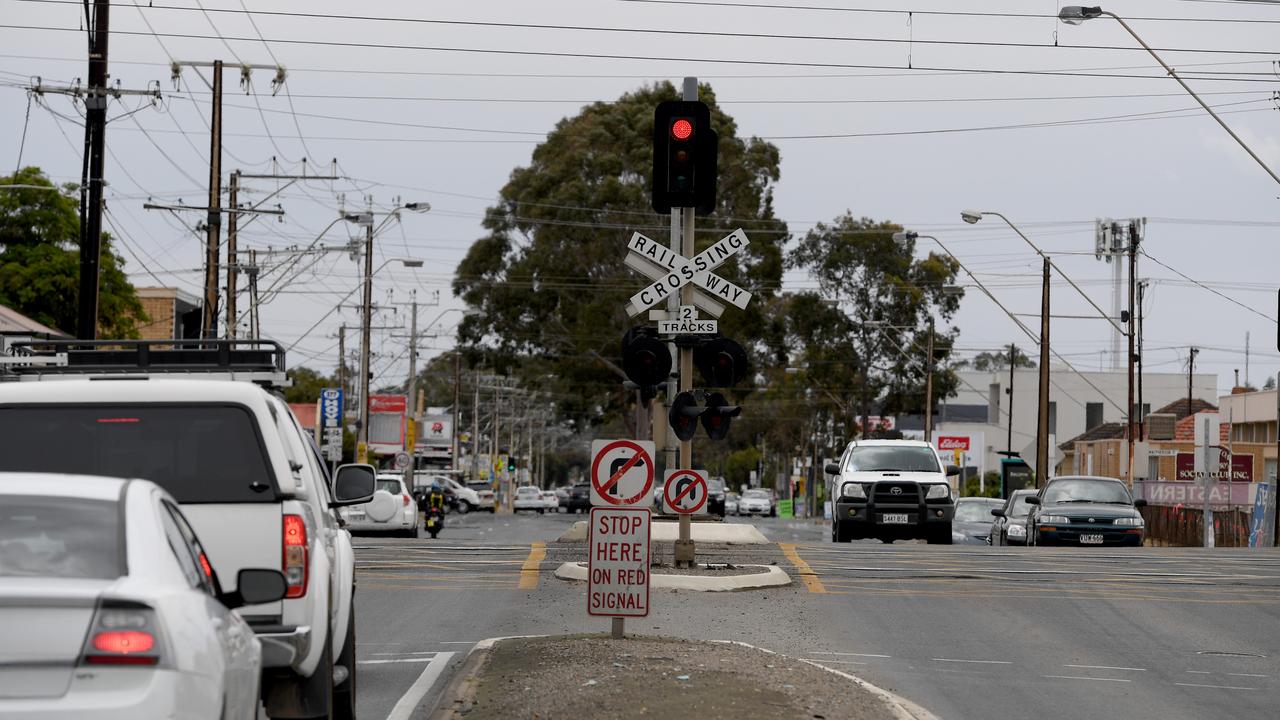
<point>60,537</point>
<point>974,512</point>
<point>199,453</point>
<point>756,494</point>
<point>1021,508</point>
<point>893,458</point>
<point>1086,491</point>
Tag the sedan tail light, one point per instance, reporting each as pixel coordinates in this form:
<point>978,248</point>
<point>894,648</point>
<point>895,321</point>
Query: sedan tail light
<point>295,557</point>
<point>123,633</point>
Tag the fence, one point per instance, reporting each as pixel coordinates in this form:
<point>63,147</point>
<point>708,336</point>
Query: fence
<point>1184,526</point>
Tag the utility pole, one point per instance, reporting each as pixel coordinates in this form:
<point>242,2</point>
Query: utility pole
<point>928,387</point>
<point>1042,411</point>
<point>1142,418</point>
<point>233,270</point>
<point>475,431</point>
<point>366,312</point>
<point>95,131</point>
<point>342,359</point>
<point>254,329</point>
<point>1191,371</point>
<point>1131,429</point>
<point>413,358</point>
<point>1008,446</point>
<point>213,221</point>
<point>455,446</point>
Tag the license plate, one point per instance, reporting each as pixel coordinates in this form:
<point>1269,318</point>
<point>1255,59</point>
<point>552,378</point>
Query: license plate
<point>431,523</point>
<point>1090,539</point>
<point>356,516</point>
<point>894,518</point>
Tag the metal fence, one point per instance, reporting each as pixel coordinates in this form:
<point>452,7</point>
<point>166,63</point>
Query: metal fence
<point>1184,526</point>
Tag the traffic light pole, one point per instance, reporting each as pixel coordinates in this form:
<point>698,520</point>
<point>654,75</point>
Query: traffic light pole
<point>682,222</point>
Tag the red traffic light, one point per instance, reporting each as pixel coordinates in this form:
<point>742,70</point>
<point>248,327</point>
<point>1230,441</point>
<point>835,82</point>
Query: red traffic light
<point>681,129</point>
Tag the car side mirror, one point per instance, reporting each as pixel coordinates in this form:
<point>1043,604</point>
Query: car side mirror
<point>998,512</point>
<point>1139,503</point>
<point>832,468</point>
<point>353,485</point>
<point>255,586</point>
<point>953,470</point>
<point>1032,500</point>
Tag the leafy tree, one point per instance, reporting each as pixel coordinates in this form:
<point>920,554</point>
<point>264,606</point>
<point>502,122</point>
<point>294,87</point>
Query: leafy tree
<point>863,337</point>
<point>997,361</point>
<point>1270,384</point>
<point>548,280</point>
<point>40,260</point>
<point>307,384</point>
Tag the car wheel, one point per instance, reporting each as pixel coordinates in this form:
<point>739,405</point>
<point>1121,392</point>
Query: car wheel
<point>305,697</point>
<point>464,507</point>
<point>344,696</point>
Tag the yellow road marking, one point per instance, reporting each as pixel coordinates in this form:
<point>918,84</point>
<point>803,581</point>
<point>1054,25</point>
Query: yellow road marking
<point>529,572</point>
<point>807,575</point>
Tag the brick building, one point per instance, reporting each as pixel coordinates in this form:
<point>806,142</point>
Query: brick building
<point>174,313</point>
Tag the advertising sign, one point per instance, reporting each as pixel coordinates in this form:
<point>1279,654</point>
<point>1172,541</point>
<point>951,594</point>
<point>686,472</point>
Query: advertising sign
<point>331,407</point>
<point>953,442</point>
<point>1241,466</point>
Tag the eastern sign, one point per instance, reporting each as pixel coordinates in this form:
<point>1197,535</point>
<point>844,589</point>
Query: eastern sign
<point>672,271</point>
<point>685,492</point>
<point>618,563</point>
<point>621,472</point>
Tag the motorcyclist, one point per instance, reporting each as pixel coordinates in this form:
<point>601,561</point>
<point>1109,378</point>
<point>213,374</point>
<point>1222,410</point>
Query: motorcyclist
<point>435,498</point>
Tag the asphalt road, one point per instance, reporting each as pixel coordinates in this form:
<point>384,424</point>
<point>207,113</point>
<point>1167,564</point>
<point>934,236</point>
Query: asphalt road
<point>967,632</point>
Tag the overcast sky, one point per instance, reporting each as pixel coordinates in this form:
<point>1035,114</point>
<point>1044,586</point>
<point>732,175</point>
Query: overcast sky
<point>447,127</point>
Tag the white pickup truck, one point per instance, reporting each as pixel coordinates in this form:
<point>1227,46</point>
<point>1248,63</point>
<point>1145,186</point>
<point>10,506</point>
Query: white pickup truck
<point>891,490</point>
<point>249,479</point>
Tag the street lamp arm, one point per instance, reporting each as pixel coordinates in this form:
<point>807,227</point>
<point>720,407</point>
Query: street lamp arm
<point>1192,93</point>
<point>1059,271</point>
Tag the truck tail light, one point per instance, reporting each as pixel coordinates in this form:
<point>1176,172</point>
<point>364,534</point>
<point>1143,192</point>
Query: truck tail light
<point>295,559</point>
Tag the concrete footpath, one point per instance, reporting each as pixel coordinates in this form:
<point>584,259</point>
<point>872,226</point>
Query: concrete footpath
<point>594,676</point>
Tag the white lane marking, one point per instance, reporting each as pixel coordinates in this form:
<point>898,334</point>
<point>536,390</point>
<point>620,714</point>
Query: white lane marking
<point>404,708</point>
<point>837,662</point>
<point>395,661</point>
<point>843,654</point>
<point>1077,677</point>
<point>979,662</point>
<point>1247,675</point>
<point>1199,672</point>
<point>1215,687</point>
<point>1106,667</point>
<point>457,642</point>
<point>401,654</point>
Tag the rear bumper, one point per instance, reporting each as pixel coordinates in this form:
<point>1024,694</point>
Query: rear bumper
<point>283,646</point>
<point>125,693</point>
<point>403,520</point>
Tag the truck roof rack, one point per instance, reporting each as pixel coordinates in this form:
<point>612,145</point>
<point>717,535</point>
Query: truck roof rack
<point>259,361</point>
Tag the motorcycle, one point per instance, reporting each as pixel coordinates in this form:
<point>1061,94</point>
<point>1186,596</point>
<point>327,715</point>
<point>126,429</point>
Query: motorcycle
<point>435,521</point>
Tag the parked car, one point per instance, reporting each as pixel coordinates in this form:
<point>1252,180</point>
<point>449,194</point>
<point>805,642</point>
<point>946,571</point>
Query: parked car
<point>252,483</point>
<point>971,524</point>
<point>484,494</point>
<point>579,499</point>
<point>529,498</point>
<point>1010,526</point>
<point>111,605</point>
<point>392,510</point>
<point>1081,510</point>
<point>715,499</point>
<point>731,503</point>
<point>551,500</point>
<point>757,501</point>
<point>459,498</point>
<point>890,490</point>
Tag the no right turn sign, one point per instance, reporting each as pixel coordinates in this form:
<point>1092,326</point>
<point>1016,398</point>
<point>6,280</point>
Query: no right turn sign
<point>621,472</point>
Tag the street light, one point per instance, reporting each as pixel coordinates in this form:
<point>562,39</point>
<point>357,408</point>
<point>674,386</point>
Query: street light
<point>1076,15</point>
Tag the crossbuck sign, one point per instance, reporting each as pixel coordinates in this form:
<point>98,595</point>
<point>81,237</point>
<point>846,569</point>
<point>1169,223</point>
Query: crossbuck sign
<point>671,271</point>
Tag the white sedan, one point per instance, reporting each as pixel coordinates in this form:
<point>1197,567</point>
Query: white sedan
<point>391,510</point>
<point>551,500</point>
<point>529,498</point>
<point>112,608</point>
<point>756,501</point>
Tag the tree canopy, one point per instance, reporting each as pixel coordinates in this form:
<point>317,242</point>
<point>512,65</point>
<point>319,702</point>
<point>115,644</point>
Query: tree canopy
<point>40,259</point>
<point>548,280</point>
<point>997,361</point>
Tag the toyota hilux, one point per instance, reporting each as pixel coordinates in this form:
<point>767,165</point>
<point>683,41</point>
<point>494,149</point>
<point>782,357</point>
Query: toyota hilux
<point>890,490</point>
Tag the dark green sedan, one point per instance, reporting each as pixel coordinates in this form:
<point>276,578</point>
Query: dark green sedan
<point>1080,510</point>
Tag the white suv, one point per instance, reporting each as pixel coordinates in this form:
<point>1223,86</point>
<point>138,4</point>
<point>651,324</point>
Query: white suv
<point>890,490</point>
<point>246,475</point>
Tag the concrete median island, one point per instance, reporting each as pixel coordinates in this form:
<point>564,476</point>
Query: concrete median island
<point>668,531</point>
<point>593,676</point>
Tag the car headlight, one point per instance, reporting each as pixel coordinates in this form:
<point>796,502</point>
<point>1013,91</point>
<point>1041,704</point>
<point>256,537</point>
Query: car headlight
<point>1016,530</point>
<point>854,490</point>
<point>1055,520</point>
<point>938,491</point>
<point>1129,522</point>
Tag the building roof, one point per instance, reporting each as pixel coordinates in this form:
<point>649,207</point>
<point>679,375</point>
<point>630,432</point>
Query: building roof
<point>1178,408</point>
<point>1105,431</point>
<point>12,321</point>
<point>306,414</point>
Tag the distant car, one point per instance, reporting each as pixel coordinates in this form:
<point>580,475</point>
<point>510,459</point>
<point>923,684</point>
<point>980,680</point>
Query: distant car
<point>112,608</point>
<point>731,503</point>
<point>756,501</point>
<point>579,499</point>
<point>551,500</point>
<point>460,498</point>
<point>1010,526</point>
<point>484,494</point>
<point>1080,510</point>
<point>529,498</point>
<point>715,502</point>
<point>392,510</point>
<point>657,495</point>
<point>971,524</point>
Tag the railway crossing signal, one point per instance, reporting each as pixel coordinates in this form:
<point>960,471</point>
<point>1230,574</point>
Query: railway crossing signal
<point>685,151</point>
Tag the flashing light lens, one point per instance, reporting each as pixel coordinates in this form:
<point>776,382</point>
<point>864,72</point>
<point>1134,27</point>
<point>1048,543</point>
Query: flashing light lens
<point>681,129</point>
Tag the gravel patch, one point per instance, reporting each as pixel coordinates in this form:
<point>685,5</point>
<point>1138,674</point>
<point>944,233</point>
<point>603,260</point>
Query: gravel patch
<point>709,570</point>
<point>648,677</point>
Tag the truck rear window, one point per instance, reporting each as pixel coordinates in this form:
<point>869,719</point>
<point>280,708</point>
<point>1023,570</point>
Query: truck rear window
<point>199,453</point>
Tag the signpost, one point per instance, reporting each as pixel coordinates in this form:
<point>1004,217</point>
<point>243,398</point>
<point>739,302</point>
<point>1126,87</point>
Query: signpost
<point>685,492</point>
<point>621,472</point>
<point>618,564</point>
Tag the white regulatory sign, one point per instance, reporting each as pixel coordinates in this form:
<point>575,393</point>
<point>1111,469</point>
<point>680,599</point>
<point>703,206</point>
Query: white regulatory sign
<point>685,492</point>
<point>674,271</point>
<point>621,472</point>
<point>618,563</point>
<point>688,327</point>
